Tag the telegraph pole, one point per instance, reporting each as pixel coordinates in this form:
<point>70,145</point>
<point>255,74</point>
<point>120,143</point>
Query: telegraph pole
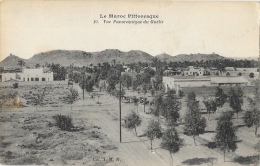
<point>83,84</point>
<point>120,107</point>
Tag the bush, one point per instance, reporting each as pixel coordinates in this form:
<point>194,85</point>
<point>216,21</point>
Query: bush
<point>181,93</point>
<point>64,122</point>
<point>251,75</point>
<point>15,85</point>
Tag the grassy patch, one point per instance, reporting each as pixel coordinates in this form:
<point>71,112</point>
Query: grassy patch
<point>246,160</point>
<point>72,155</point>
<point>199,161</point>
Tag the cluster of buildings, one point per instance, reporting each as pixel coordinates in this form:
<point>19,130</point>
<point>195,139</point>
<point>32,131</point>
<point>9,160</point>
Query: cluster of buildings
<point>201,77</point>
<point>174,83</point>
<point>200,71</point>
<point>25,75</point>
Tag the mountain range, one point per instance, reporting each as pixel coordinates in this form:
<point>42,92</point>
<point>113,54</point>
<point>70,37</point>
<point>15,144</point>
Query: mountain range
<point>82,58</point>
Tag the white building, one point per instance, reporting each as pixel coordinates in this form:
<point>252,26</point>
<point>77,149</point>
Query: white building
<point>41,74</point>
<point>168,82</point>
<point>191,71</point>
<point>229,81</point>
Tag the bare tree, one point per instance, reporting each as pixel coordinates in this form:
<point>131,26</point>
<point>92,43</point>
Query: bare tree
<point>72,96</point>
<point>38,98</point>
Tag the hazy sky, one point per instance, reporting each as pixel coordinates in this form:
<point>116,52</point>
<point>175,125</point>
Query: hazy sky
<point>227,28</point>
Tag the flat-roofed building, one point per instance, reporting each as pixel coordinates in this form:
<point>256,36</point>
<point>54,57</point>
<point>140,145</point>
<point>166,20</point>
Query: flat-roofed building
<point>41,74</point>
<point>229,81</point>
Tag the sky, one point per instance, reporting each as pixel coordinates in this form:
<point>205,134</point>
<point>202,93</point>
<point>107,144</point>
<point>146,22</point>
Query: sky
<point>230,29</point>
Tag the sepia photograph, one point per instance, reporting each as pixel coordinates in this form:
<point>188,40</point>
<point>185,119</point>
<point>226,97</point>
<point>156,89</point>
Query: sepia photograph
<point>129,83</point>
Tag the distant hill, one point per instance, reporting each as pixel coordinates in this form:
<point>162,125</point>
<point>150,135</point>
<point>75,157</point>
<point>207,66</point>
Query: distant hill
<point>63,57</point>
<point>121,57</point>
<point>11,61</point>
<point>81,58</point>
<point>165,57</point>
<point>190,57</point>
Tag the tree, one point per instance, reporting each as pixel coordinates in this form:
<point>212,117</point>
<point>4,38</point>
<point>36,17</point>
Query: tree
<point>251,75</point>
<point>136,103</point>
<point>210,105</point>
<point>257,148</point>
<point>171,108</point>
<point>228,74</point>
<point>157,82</point>
<point>226,133</point>
<point>89,84</point>
<point>236,99</point>
<point>145,88</point>
<point>171,141</point>
<point>37,65</point>
<point>113,78</point>
<point>220,97</point>
<point>194,123</point>
<point>181,93</point>
<point>135,84</point>
<point>126,80</point>
<point>252,117</point>
<point>59,72</point>
<point>21,63</point>
<point>157,105</point>
<point>191,99</point>
<point>132,121</point>
<point>153,131</point>
<point>38,98</point>
<point>72,96</point>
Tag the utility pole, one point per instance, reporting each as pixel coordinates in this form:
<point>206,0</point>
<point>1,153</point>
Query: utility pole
<point>120,107</point>
<point>83,84</point>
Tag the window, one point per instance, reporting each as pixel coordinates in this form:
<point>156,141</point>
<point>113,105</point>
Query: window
<point>43,79</point>
<point>36,79</point>
<point>28,79</point>
<point>32,79</point>
<point>23,79</point>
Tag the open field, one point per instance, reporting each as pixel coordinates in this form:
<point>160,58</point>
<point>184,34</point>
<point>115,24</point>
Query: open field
<point>29,135</point>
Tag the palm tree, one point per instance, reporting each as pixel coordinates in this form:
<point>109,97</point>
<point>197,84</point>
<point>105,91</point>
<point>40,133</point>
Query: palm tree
<point>21,63</point>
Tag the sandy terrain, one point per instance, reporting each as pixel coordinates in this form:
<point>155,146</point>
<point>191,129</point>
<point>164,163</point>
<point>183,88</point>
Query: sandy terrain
<point>29,136</point>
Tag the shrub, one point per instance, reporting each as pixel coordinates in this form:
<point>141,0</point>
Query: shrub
<point>251,75</point>
<point>181,93</point>
<point>64,122</point>
<point>15,85</point>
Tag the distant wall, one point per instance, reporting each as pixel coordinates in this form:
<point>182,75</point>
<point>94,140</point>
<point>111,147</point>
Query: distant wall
<point>8,76</point>
<point>192,82</point>
<point>10,84</point>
